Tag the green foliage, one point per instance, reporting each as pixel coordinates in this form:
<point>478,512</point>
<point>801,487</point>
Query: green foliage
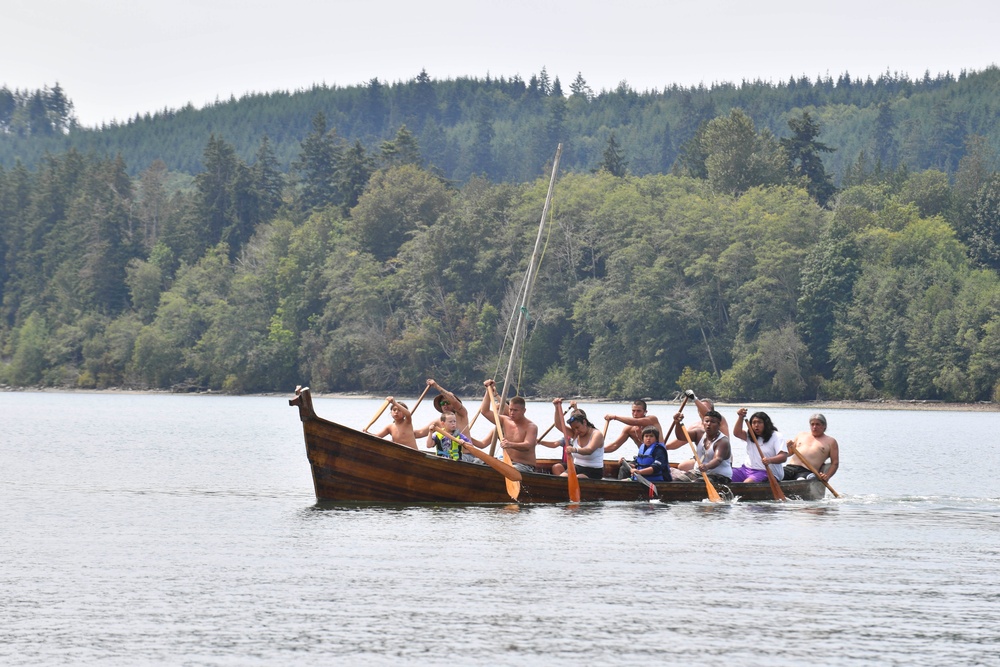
<point>29,363</point>
<point>804,158</point>
<point>396,204</point>
<point>738,157</point>
<point>613,160</point>
<point>649,283</point>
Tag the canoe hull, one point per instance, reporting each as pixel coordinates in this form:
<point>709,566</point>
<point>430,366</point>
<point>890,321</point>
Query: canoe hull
<point>352,466</point>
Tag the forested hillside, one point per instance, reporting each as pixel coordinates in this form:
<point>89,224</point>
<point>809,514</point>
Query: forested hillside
<point>831,239</point>
<point>505,128</point>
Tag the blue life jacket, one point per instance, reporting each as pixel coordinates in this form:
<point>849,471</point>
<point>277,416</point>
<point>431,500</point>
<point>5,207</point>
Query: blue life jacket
<point>645,459</point>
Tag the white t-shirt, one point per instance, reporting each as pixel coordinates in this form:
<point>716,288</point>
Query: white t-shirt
<point>771,447</point>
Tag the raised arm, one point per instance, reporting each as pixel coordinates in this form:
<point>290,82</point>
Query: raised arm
<point>403,411</point>
<point>677,442</point>
<point>456,405</point>
<point>738,431</point>
<point>559,420</point>
<point>486,409</point>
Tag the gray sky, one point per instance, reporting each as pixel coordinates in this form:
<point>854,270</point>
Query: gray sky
<point>115,58</point>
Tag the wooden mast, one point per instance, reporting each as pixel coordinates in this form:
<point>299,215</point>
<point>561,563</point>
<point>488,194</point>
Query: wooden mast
<point>521,329</point>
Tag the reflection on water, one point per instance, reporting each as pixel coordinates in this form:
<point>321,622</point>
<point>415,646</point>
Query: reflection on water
<point>183,530</point>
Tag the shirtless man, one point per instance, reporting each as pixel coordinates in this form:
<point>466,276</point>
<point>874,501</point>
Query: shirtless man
<point>633,425</point>
<point>704,405</point>
<point>815,447</point>
<point>401,429</point>
<point>448,402</point>
<point>520,435</point>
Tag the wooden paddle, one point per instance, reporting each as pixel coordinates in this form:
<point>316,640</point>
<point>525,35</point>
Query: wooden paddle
<point>713,495</point>
<point>670,430</point>
<point>513,487</point>
<point>791,449</point>
<point>653,491</point>
<point>420,399</point>
<point>542,436</point>
<point>573,482</point>
<point>378,414</point>
<point>775,487</point>
<point>508,471</point>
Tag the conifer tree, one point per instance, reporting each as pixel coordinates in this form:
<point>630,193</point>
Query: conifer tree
<point>804,160</point>
<point>613,160</point>
<point>317,166</point>
<point>403,149</point>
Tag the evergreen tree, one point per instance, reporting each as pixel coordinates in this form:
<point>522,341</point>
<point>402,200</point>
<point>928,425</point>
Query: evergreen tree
<point>883,141</point>
<point>152,201</point>
<point>215,204</point>
<point>804,160</point>
<point>481,155</point>
<point>692,155</point>
<point>375,110</point>
<point>984,232</point>
<point>613,160</point>
<point>424,99</point>
<point>579,88</point>
<point>353,173</point>
<point>268,182</point>
<point>317,166</point>
<point>402,149</point>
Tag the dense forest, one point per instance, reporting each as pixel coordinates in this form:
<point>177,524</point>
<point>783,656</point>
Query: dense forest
<point>832,239</point>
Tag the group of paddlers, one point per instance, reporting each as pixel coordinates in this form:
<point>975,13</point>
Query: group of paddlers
<point>768,453</point>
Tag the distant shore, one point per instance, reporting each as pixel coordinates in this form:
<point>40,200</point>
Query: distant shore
<point>874,404</point>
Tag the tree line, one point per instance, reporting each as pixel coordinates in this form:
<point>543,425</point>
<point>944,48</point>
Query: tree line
<point>744,273</point>
<point>503,128</point>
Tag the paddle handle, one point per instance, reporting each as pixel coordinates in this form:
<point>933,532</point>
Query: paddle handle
<point>775,488</point>
<point>510,472</point>
<point>814,471</point>
<point>417,405</point>
<point>713,495</point>
<point>513,487</point>
<point>542,436</point>
<point>497,420</point>
<point>378,414</point>
<point>670,430</point>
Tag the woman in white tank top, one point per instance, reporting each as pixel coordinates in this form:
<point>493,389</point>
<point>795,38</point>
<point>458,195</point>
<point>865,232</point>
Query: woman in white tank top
<point>586,444</point>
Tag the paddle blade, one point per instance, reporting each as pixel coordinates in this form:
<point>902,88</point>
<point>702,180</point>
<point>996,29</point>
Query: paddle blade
<point>713,495</point>
<point>573,481</point>
<point>775,487</point>
<point>378,414</point>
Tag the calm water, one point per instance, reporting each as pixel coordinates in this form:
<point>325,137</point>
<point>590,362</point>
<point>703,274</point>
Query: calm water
<point>183,530</point>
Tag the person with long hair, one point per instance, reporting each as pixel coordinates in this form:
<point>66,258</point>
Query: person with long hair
<point>586,444</point>
<point>771,442</point>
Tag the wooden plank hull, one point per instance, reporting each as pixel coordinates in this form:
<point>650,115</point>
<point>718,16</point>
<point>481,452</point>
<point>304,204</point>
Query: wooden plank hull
<point>351,466</point>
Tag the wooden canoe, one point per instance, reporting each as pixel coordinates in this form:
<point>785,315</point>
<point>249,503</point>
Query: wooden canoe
<point>351,466</point>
